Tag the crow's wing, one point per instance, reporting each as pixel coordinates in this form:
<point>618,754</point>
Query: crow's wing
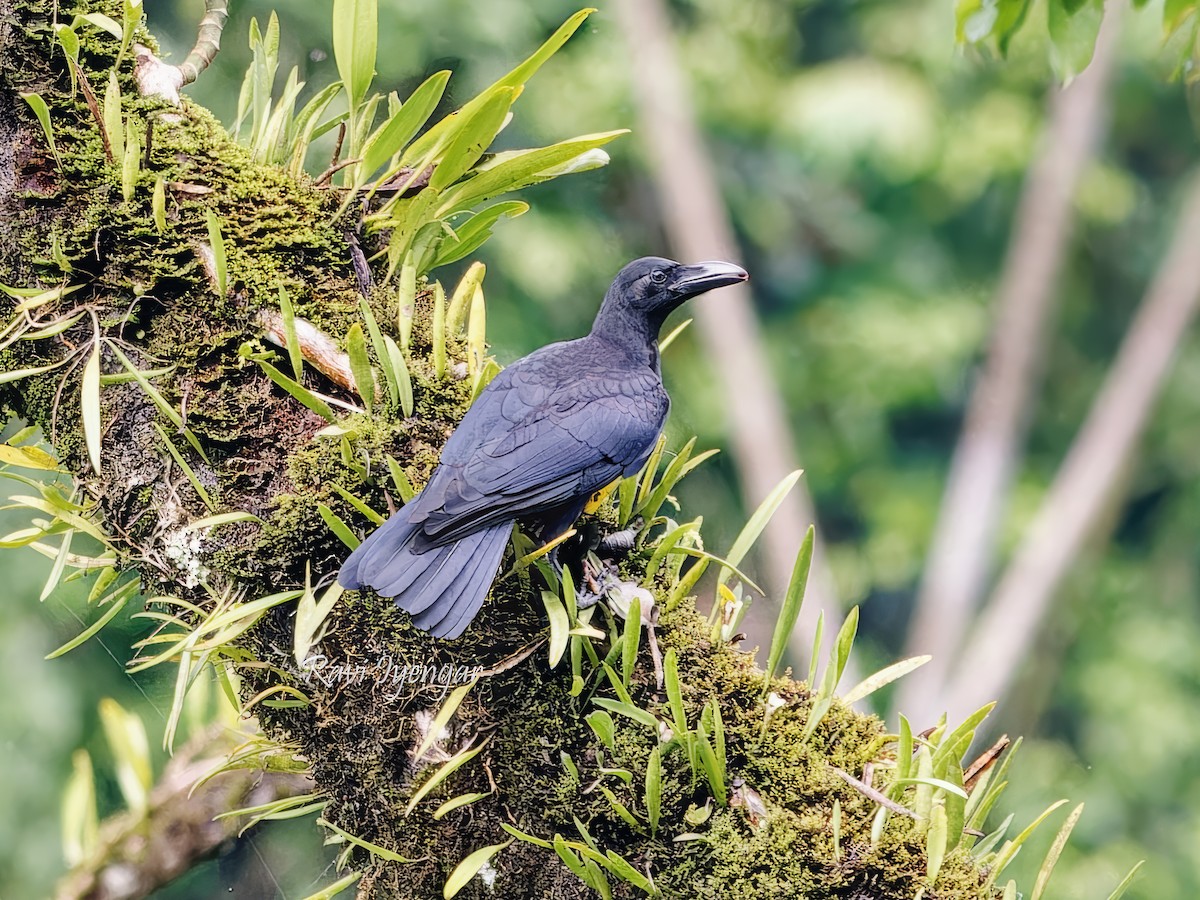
<point>547,432</point>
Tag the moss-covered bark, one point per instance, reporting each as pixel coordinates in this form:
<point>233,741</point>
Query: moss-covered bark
<point>146,291</point>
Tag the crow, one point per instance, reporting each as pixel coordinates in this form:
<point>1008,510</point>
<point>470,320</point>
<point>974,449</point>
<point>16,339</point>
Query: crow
<point>548,431</point>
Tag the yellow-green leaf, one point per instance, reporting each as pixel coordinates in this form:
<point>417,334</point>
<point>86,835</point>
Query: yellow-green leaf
<point>90,408</point>
<point>469,868</point>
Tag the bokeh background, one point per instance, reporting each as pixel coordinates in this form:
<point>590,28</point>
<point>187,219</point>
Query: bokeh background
<point>870,170</point>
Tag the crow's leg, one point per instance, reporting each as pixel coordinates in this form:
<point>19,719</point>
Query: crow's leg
<point>598,577</point>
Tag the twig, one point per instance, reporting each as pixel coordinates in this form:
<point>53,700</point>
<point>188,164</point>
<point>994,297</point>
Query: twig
<point>362,269</point>
<point>337,145</point>
<point>316,347</point>
<point>90,97</point>
<point>208,40</point>
<point>872,794</point>
<point>157,78</point>
<point>989,448</point>
<point>1089,479</point>
<point>324,177</point>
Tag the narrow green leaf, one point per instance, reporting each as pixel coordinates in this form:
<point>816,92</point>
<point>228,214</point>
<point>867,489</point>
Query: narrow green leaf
<point>402,126</point>
<point>389,375</point>
<point>305,125</point>
<point>757,522</point>
<point>631,637</point>
<point>131,162</point>
<point>602,724</point>
<point>842,645</point>
<point>620,867</point>
<point>814,656</point>
<point>360,505</point>
<point>1121,888</point>
<point>525,71</point>
<point>38,105</point>
<point>444,713</point>
<point>1010,848</point>
<point>516,169</point>
<point>473,134</point>
<point>28,458</point>
<point>217,243</point>
<point>120,599</point>
<point>464,294</point>
<point>158,204</point>
<point>338,527</point>
<point>654,790</point>
<point>469,868</point>
<point>476,336</point>
<point>883,677</point>
<point>355,37</point>
<point>311,614</point>
<point>159,400</point>
<point>90,408</point>
<point>448,768</point>
<point>560,626</point>
<point>527,838</point>
<point>185,468</point>
<point>221,519</point>
<point>360,365</point>
<point>114,123</point>
<point>406,301</point>
<point>399,368</point>
<point>297,390</point>
<point>438,338</point>
<point>291,339</point>
<point>131,15</point>
<point>1055,851</point>
<point>714,772</point>
<point>373,849</point>
<point>789,612</point>
<point>935,843</point>
<point>569,858</point>
<point>629,711</point>
<point>458,802</point>
<point>403,486</point>
<point>674,692</point>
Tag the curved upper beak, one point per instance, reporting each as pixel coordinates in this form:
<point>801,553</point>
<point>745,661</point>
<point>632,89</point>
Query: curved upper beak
<point>696,279</point>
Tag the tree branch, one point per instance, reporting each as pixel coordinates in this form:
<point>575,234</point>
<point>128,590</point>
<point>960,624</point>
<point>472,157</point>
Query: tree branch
<point>988,451</point>
<point>1090,476</point>
<point>139,852</point>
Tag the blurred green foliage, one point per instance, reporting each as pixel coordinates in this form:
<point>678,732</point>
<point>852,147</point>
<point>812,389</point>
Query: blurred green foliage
<point>871,169</point>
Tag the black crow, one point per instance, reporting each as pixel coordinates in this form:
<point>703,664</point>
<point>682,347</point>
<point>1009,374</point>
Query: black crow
<point>549,431</point>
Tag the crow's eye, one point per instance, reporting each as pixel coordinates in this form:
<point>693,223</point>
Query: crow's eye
<point>658,276</point>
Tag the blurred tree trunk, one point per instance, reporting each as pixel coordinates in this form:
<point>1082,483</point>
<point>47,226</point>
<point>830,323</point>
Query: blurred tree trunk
<point>1089,480</point>
<point>989,449</point>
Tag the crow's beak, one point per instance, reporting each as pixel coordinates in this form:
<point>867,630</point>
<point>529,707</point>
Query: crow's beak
<point>692,280</point>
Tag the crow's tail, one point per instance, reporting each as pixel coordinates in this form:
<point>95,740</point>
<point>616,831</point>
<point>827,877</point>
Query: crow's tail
<point>442,587</point>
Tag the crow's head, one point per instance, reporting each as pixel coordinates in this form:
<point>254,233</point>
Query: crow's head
<point>651,287</point>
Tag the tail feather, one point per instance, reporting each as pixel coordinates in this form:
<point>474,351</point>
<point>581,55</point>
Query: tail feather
<point>459,601</point>
<point>441,587</point>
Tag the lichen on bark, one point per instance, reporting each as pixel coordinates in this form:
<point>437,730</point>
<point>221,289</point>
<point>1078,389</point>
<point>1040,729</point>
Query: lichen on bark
<point>146,291</point>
